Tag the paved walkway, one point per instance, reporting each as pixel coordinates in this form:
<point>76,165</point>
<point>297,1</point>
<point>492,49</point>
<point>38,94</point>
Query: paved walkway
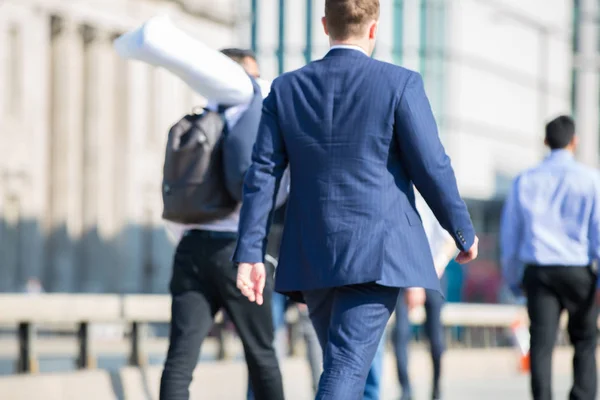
<point>468,375</point>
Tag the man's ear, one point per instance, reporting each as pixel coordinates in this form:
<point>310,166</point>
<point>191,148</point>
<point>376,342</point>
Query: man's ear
<point>324,22</point>
<point>373,30</point>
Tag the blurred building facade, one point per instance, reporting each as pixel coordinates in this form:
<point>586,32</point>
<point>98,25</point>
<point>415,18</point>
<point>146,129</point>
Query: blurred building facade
<point>82,132</point>
<point>81,141</point>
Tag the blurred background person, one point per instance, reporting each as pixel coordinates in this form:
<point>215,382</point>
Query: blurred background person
<point>204,277</point>
<point>550,238</point>
<point>33,286</point>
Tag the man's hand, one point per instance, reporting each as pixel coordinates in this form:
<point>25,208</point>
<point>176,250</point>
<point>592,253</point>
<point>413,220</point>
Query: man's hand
<point>251,281</point>
<point>414,297</point>
<point>466,256</point>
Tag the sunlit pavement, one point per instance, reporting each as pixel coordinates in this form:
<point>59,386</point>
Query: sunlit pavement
<point>468,375</point>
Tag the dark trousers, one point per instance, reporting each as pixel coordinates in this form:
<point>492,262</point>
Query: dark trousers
<point>435,333</point>
<point>204,281</point>
<point>550,290</point>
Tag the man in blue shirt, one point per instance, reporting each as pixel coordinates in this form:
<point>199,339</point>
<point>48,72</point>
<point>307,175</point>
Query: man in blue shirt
<point>550,239</point>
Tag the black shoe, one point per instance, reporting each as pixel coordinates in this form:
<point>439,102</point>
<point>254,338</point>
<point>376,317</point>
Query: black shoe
<point>435,395</point>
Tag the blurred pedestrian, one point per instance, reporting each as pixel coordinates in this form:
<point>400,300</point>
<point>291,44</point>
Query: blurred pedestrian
<point>550,240</point>
<point>207,156</point>
<point>33,286</point>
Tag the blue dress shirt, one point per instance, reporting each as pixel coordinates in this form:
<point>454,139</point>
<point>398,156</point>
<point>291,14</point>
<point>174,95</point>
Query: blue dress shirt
<point>551,217</point>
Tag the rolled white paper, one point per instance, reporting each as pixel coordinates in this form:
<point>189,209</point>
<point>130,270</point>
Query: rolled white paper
<point>207,71</point>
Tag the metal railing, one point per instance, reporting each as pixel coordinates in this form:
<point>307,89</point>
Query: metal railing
<point>28,315</point>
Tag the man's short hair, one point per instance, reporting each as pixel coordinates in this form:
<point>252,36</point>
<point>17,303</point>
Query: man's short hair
<point>349,18</point>
<point>239,55</point>
<point>560,132</point>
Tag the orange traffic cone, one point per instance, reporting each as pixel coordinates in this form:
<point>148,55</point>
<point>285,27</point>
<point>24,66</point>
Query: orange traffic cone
<point>521,337</point>
<point>524,363</point>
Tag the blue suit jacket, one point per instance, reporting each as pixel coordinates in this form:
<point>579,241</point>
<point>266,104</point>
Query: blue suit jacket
<point>357,133</point>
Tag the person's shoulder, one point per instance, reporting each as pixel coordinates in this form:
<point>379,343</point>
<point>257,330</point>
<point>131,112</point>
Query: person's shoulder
<point>391,68</point>
<point>583,168</point>
<point>583,171</point>
<point>395,73</point>
<point>528,172</point>
<point>398,78</point>
<point>285,79</point>
<point>524,176</point>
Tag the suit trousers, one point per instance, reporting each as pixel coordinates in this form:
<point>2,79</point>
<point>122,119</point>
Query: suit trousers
<point>203,282</point>
<point>434,331</point>
<point>550,290</point>
<point>349,321</point>
<point>375,376</point>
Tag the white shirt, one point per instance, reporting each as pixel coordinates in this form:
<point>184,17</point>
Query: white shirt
<point>348,46</point>
<point>436,235</point>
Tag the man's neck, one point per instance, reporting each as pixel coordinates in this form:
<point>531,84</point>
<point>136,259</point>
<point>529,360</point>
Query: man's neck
<point>565,150</point>
<point>350,43</point>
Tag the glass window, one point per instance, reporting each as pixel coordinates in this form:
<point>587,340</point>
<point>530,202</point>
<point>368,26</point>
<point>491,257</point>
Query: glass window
<point>309,28</point>
<point>575,46</point>
<point>398,39</point>
<point>281,46</point>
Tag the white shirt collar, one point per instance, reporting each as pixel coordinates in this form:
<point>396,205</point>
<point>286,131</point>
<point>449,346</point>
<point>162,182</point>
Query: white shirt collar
<point>350,47</point>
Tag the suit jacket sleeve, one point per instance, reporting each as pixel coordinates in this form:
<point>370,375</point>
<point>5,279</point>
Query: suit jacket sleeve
<point>427,163</point>
<point>261,184</point>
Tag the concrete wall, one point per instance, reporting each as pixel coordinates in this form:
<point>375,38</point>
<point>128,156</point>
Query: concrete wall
<point>504,79</point>
<point>82,136</point>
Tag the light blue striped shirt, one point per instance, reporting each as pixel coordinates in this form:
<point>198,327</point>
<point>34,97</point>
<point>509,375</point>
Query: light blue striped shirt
<point>551,217</point>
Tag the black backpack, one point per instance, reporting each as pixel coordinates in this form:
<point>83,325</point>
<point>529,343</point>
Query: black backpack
<point>193,187</point>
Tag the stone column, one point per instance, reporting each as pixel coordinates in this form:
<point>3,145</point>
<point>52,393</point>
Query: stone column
<point>170,105</point>
<point>4,54</point>
<point>587,84</point>
<point>3,143</point>
<point>64,208</point>
<point>97,159</point>
<point>138,125</point>
<point>121,152</point>
<point>36,73</point>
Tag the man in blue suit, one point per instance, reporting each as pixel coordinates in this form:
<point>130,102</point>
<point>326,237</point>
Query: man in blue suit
<point>357,134</point>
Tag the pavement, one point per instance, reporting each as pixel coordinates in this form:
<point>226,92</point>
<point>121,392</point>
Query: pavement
<point>469,374</point>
